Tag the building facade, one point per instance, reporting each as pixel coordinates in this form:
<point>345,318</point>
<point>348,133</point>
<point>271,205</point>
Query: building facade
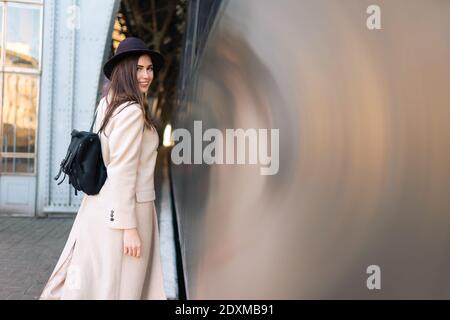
<point>51,57</point>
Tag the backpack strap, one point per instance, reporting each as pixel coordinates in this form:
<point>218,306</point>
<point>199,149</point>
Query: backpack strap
<point>93,121</point>
<point>62,165</point>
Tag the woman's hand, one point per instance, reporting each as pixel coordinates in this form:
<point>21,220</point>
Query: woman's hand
<point>131,243</point>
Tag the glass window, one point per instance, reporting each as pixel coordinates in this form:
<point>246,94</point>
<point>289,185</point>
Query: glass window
<point>23,35</point>
<point>19,112</point>
<point>19,84</point>
<point>17,165</point>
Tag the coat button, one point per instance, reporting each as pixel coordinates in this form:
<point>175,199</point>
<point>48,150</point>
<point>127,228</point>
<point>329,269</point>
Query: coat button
<point>112,219</point>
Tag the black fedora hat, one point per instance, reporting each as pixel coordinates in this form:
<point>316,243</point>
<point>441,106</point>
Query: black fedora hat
<point>131,46</point>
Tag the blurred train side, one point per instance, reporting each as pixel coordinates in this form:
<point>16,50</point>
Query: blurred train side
<point>364,150</point>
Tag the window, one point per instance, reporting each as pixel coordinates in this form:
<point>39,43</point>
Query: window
<point>20,69</point>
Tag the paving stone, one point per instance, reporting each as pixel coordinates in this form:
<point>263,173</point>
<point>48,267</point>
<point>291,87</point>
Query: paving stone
<point>25,267</point>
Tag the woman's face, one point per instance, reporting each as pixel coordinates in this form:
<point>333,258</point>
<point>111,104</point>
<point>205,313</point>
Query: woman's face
<point>144,72</point>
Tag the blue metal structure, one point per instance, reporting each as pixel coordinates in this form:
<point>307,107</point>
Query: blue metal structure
<point>77,37</point>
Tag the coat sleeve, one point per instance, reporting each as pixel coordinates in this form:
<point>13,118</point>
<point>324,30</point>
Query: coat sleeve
<point>125,145</point>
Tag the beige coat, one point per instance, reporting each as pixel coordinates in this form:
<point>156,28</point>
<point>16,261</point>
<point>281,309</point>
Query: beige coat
<point>92,264</point>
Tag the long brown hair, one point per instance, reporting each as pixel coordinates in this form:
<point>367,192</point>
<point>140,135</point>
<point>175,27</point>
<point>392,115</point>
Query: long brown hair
<point>124,87</point>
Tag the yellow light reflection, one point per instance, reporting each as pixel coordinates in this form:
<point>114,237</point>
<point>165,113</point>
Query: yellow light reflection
<point>167,141</point>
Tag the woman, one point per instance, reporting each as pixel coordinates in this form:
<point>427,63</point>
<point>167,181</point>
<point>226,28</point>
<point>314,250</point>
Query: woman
<point>113,248</point>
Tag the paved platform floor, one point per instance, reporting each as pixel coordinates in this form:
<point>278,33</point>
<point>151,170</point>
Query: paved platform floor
<point>29,250</point>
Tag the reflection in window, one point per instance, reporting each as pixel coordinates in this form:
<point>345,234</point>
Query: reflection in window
<point>22,36</point>
<point>206,15</point>
<point>17,165</point>
<point>19,112</point>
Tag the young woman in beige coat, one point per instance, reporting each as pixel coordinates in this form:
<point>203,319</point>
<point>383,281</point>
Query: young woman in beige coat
<point>113,248</point>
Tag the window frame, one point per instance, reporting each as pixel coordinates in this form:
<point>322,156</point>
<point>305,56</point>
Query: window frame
<point>37,4</point>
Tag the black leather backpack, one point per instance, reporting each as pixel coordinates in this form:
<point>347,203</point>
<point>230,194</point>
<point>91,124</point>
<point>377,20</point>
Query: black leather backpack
<point>84,162</point>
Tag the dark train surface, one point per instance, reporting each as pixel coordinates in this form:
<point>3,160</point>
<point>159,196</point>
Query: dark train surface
<point>358,204</point>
